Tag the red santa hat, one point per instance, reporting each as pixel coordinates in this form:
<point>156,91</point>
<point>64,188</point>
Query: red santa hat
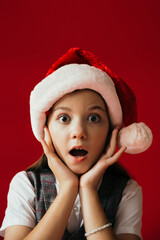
<point>79,69</point>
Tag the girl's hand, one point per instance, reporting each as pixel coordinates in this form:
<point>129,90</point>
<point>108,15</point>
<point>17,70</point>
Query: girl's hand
<point>62,173</point>
<point>92,178</point>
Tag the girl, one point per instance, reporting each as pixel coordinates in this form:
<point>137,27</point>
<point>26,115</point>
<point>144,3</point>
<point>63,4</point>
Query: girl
<point>77,190</point>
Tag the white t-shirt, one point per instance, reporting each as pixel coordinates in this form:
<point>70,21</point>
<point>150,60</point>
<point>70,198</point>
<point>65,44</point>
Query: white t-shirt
<point>20,209</point>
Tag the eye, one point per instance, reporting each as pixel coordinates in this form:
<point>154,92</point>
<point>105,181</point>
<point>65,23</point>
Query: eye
<point>64,118</point>
<point>94,118</point>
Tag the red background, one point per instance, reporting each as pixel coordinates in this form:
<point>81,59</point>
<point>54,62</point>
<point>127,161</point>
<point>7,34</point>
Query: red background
<point>124,34</point>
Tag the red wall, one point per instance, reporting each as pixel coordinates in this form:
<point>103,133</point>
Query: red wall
<point>124,34</point>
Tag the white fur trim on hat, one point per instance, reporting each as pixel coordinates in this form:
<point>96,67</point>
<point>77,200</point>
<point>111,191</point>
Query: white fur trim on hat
<point>66,79</point>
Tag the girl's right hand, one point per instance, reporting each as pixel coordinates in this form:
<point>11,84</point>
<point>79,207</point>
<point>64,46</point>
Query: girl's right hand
<point>63,174</point>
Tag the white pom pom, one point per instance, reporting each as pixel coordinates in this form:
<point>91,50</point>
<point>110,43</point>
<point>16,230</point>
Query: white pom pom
<point>137,137</point>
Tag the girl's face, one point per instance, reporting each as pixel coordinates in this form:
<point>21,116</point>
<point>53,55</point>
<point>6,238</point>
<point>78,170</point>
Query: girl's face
<point>78,124</point>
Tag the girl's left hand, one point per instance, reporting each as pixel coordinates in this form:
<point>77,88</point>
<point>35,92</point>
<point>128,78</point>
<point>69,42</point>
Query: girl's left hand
<point>92,178</point>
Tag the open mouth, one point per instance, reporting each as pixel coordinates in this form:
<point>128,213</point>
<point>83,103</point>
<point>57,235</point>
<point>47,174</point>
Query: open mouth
<point>75,152</point>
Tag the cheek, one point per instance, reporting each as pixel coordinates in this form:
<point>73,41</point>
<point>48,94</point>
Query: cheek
<point>101,134</point>
<point>99,140</point>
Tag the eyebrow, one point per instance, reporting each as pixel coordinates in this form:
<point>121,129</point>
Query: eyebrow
<point>96,107</point>
<point>62,108</point>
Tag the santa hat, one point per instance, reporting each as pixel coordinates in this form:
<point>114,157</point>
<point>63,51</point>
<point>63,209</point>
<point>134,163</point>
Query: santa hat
<point>79,69</point>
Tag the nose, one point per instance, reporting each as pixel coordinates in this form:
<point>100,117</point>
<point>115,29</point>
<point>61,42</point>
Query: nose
<point>79,130</point>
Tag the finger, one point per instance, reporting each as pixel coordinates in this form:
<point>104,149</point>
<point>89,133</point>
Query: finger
<point>116,156</point>
<point>49,152</point>
<point>113,142</point>
<point>44,145</point>
<point>47,138</point>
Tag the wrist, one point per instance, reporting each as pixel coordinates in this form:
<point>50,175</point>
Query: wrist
<point>69,187</point>
<point>90,185</point>
<point>88,191</point>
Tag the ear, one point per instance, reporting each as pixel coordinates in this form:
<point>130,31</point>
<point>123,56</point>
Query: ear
<point>137,137</point>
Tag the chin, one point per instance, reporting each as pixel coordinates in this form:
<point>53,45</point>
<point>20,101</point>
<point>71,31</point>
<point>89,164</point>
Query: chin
<point>79,171</point>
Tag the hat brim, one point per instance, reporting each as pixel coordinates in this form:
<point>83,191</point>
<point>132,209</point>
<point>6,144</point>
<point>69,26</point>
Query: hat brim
<point>67,79</point>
